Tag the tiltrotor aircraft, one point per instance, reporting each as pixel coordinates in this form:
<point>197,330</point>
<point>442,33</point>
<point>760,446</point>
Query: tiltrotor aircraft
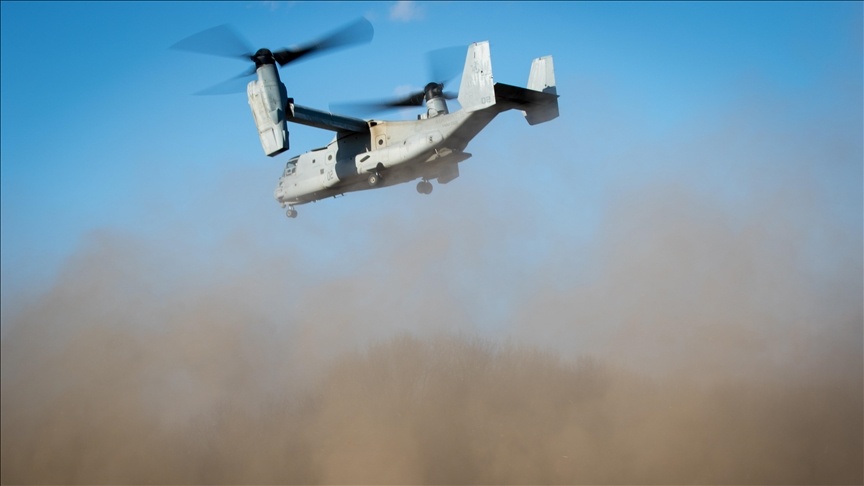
<point>371,153</point>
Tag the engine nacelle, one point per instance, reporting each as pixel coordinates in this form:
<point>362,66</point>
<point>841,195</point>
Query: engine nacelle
<point>268,99</point>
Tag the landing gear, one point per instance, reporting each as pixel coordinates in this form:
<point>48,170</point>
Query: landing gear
<point>374,179</point>
<point>291,213</point>
<point>424,187</point>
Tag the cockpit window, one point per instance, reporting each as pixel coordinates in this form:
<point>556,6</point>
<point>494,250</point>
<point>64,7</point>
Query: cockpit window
<point>291,166</point>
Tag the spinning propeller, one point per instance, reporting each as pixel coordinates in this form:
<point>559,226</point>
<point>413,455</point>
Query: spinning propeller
<point>224,41</point>
<point>443,65</point>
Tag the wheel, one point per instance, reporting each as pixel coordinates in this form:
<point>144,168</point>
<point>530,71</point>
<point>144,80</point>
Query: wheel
<point>291,213</point>
<point>424,187</point>
<point>374,180</point>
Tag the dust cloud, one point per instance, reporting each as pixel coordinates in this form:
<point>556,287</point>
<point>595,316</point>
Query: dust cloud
<point>694,337</point>
<point>706,353</point>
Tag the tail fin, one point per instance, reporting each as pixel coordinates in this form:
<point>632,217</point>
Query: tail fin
<point>477,90</point>
<point>542,78</point>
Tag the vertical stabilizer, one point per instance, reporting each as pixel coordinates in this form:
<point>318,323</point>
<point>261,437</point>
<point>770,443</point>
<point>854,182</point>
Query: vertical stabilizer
<point>542,77</point>
<point>477,90</point>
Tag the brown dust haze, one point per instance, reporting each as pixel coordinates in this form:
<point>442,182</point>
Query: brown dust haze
<point>699,335</point>
<point>706,353</point>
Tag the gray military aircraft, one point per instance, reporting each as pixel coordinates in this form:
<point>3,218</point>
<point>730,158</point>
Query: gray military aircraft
<point>370,153</point>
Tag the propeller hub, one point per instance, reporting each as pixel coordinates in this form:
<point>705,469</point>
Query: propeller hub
<point>433,90</point>
<point>262,57</point>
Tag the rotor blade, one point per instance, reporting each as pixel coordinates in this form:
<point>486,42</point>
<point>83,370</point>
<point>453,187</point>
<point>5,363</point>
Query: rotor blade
<point>234,85</point>
<point>360,109</point>
<point>413,99</point>
<point>359,31</point>
<point>221,40</point>
<point>445,64</point>
<point>418,98</point>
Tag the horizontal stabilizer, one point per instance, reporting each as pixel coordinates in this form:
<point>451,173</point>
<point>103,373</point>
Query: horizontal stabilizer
<point>523,97</point>
<point>538,106</point>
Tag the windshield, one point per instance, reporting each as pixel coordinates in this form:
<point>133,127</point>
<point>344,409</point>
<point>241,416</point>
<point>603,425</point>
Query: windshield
<point>291,166</point>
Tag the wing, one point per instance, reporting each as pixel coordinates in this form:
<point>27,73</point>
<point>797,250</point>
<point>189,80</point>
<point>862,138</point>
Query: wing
<point>325,120</point>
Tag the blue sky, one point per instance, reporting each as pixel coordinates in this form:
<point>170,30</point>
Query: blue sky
<point>690,231</point>
<point>731,100</point>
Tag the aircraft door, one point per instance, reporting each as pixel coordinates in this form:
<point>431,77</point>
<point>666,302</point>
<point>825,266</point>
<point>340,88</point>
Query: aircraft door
<point>330,173</point>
